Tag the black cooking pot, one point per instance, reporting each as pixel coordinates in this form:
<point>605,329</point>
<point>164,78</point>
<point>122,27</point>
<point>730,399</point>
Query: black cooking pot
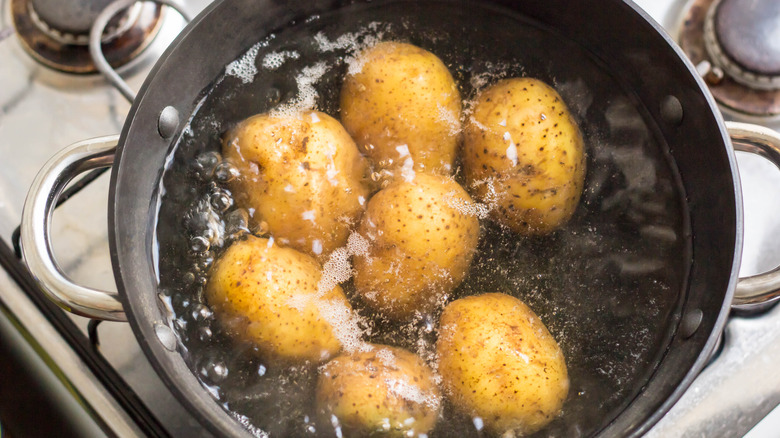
<point>616,35</point>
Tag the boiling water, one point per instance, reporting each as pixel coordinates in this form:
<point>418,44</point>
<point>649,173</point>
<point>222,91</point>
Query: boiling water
<point>608,285</point>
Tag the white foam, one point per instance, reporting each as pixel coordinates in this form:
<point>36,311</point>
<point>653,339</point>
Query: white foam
<point>345,323</point>
<point>465,207</point>
<point>478,124</point>
<point>274,60</point>
<point>308,215</point>
<point>352,44</point>
<point>407,170</point>
<point>306,100</point>
<point>351,41</point>
<point>511,150</point>
<point>257,433</point>
<point>449,118</point>
<point>403,150</point>
<point>337,269</point>
<point>386,357</point>
<point>357,244</point>
<point>244,67</point>
<point>511,153</point>
<point>412,393</point>
<point>316,246</point>
<point>330,168</point>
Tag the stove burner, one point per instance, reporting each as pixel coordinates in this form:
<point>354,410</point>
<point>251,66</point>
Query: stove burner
<point>51,33</point>
<point>743,40</point>
<point>734,44</point>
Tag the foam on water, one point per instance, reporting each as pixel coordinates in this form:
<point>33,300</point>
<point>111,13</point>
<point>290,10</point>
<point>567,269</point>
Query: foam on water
<point>274,60</point>
<point>467,208</point>
<point>352,43</point>
<point>306,99</point>
<point>244,67</point>
<point>449,118</point>
<point>411,392</point>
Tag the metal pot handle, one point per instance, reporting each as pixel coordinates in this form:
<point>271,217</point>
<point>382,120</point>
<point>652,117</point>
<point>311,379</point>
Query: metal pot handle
<point>36,223</point>
<point>760,290</point>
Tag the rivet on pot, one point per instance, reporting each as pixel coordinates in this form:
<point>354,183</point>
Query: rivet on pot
<point>165,336</point>
<point>671,110</point>
<point>690,323</point>
<point>168,122</point>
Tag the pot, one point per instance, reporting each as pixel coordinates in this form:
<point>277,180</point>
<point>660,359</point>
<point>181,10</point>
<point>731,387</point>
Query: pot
<point>616,35</point>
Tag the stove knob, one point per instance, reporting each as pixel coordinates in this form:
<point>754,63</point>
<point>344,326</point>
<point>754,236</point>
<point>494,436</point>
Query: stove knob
<point>742,37</point>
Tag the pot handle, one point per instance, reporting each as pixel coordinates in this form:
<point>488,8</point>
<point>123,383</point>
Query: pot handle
<point>36,224</point>
<point>757,291</point>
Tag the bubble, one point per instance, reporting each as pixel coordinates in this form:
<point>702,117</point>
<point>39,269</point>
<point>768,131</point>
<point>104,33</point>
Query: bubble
<point>226,172</point>
<point>221,200</point>
<point>206,163</point>
<point>201,313</point>
<point>237,222</point>
<point>204,333</point>
<point>199,244</point>
<point>428,324</point>
<point>188,278</point>
<point>180,324</point>
<point>214,370</point>
<point>204,261</point>
<point>263,228</point>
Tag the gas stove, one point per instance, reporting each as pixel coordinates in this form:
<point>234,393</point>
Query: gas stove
<point>98,375</point>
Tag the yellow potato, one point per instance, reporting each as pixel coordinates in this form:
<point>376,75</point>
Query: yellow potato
<point>402,108</point>
<point>302,175</point>
<point>422,235</point>
<point>386,391</point>
<point>523,154</point>
<point>498,362</point>
<point>268,295</point>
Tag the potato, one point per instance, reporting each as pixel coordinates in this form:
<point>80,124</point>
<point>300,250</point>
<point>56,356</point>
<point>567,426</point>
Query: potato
<point>402,108</point>
<point>498,362</point>
<point>302,175</point>
<point>422,235</point>
<point>524,155</point>
<point>268,295</point>
<point>386,391</point>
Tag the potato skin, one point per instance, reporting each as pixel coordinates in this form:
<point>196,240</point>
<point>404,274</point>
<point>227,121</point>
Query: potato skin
<point>375,393</point>
<point>302,175</point>
<point>403,95</point>
<point>268,295</point>
<point>536,186</point>
<point>422,239</point>
<point>498,361</point>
